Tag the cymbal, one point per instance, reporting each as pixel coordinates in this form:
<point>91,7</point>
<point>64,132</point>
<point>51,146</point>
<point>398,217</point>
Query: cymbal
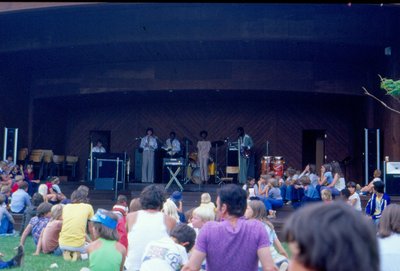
<point>217,143</point>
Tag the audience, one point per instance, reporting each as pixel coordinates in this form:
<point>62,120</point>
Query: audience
<point>6,219</point>
<point>176,197</point>
<point>37,223</point>
<point>368,189</point>
<point>20,199</point>
<point>354,199</point>
<point>30,211</point>
<point>135,205</point>
<point>221,243</point>
<point>174,250</point>
<point>256,210</point>
<point>389,241</point>
<point>121,211</point>
<point>105,253</point>
<point>331,237</point>
<point>377,203</point>
<point>75,221</point>
<point>146,225</point>
<point>48,240</point>
<point>15,261</point>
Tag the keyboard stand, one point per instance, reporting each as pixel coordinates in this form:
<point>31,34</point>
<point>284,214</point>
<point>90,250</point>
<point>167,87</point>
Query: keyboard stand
<point>174,178</point>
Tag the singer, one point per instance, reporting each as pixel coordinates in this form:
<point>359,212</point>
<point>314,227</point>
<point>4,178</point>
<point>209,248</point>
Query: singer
<point>149,144</point>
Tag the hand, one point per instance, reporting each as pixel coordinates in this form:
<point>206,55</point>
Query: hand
<point>35,254</point>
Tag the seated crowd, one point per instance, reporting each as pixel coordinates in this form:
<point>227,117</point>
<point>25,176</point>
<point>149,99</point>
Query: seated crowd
<point>152,232</point>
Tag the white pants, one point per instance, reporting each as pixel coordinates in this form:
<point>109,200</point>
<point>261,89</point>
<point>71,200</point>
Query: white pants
<point>148,167</point>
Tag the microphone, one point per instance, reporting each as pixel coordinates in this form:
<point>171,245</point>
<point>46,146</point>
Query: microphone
<point>138,138</point>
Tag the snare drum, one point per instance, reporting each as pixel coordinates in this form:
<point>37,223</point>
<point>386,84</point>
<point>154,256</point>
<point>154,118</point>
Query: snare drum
<point>196,176</point>
<point>266,164</point>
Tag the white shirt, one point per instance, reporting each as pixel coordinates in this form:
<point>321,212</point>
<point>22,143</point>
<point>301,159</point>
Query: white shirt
<point>163,254</point>
<point>173,147</point>
<point>355,196</point>
<point>150,141</point>
<point>389,250</point>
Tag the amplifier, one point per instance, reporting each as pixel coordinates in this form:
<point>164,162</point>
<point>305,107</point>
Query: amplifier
<point>173,162</point>
<point>104,184</point>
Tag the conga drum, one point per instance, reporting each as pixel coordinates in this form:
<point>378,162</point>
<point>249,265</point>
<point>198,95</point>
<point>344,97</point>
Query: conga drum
<point>266,163</point>
<point>278,165</point>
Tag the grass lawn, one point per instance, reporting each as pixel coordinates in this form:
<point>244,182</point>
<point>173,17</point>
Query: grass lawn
<point>36,263</point>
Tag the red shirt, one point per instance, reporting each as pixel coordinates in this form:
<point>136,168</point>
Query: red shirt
<point>121,228</point>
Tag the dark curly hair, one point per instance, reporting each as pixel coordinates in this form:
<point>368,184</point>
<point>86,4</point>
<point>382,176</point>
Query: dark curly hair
<point>153,197</point>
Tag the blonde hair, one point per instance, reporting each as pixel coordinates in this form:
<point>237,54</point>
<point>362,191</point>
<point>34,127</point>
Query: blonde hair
<point>326,194</point>
<point>205,198</point>
<point>56,211</point>
<point>205,213</point>
<point>170,209</point>
<point>42,190</point>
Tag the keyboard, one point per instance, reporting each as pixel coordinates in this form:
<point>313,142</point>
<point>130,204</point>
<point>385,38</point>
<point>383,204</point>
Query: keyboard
<point>174,161</point>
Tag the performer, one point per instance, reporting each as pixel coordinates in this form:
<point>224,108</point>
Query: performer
<point>203,149</point>
<point>172,145</point>
<point>245,143</point>
<point>99,147</point>
<point>149,144</point>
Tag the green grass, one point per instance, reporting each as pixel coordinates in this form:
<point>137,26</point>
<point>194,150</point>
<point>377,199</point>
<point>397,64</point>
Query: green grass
<point>36,263</point>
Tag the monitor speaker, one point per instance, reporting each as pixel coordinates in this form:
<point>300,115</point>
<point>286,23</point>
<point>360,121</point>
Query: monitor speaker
<point>104,184</point>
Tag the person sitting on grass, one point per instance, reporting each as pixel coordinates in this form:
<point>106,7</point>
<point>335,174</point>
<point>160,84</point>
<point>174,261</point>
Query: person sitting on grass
<point>48,240</point>
<point>105,253</point>
<point>15,261</point>
<point>174,250</point>
<point>30,211</point>
<point>256,210</point>
<point>75,221</point>
<point>37,223</point>
<point>6,219</point>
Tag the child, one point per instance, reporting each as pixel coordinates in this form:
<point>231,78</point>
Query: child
<point>169,253</point>
<point>54,193</point>
<point>6,219</point>
<point>377,203</point>
<point>326,196</point>
<point>169,208</point>
<point>42,190</point>
<point>48,240</point>
<point>29,177</point>
<point>30,211</point>
<point>256,210</point>
<point>354,199</point>
<point>121,212</point>
<point>16,261</point>
<point>122,203</point>
<point>368,189</point>
<point>311,193</point>
<point>205,200</point>
<point>326,181</point>
<point>37,223</point>
<point>201,215</point>
<point>274,199</point>
<point>105,253</point>
<point>345,194</point>
<point>176,197</point>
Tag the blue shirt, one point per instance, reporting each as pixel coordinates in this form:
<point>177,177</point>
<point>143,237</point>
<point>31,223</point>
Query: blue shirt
<point>311,192</point>
<point>19,200</point>
<point>329,177</point>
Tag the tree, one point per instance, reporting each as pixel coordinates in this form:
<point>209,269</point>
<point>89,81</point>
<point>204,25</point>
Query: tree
<point>392,89</point>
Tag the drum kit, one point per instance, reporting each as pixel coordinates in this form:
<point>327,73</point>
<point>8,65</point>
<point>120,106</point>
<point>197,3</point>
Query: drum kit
<point>272,164</point>
<point>193,168</point>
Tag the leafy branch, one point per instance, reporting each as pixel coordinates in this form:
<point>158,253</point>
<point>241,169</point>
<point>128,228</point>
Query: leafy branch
<point>392,89</point>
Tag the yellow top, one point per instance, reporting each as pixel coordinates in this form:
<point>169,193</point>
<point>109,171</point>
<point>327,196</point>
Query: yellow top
<point>75,217</point>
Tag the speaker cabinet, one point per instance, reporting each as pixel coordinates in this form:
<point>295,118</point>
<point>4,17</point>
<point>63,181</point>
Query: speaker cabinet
<point>372,155</point>
<point>138,165</point>
<point>104,184</point>
<point>10,143</point>
<point>392,178</point>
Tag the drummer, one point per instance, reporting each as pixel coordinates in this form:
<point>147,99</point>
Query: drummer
<point>203,150</point>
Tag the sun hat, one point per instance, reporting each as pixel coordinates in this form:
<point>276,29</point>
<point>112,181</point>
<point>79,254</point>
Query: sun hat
<point>102,218</point>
